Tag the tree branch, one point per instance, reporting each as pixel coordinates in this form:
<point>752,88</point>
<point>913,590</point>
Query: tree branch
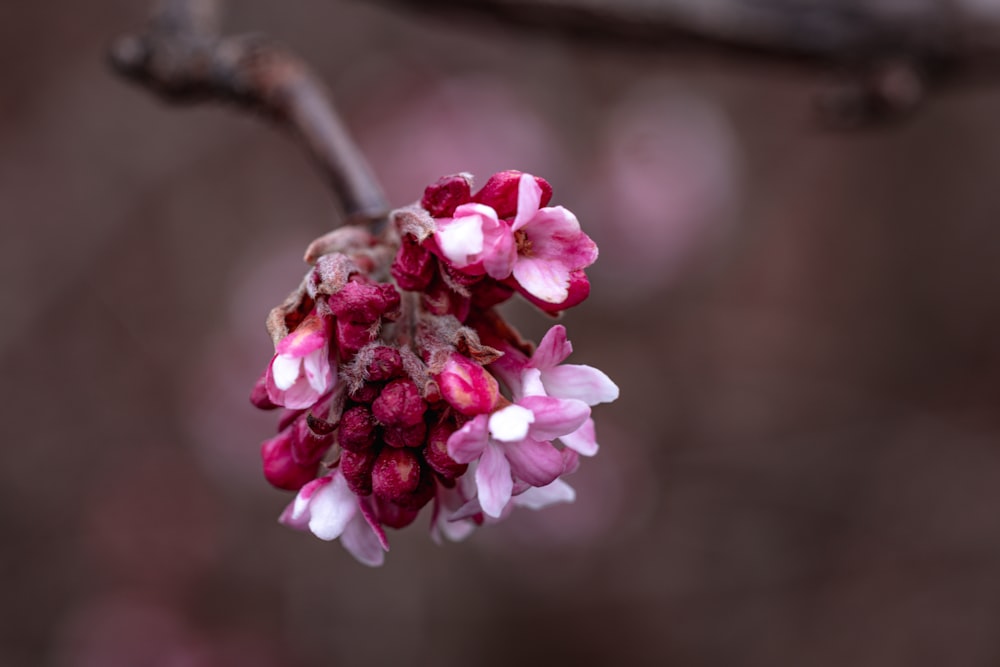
<point>887,55</point>
<point>181,57</point>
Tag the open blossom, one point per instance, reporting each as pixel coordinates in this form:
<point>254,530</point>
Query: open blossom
<point>542,248</point>
<point>404,388</point>
<point>329,509</point>
<point>300,371</point>
<point>515,442</point>
<point>544,374</point>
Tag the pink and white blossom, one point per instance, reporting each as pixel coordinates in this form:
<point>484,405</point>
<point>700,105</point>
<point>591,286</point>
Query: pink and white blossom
<point>544,374</point>
<point>329,510</point>
<point>550,245</point>
<point>515,442</point>
<point>300,371</point>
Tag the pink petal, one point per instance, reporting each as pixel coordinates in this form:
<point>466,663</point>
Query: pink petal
<point>582,440</point>
<point>529,195</point>
<point>493,481</point>
<point>500,252</point>
<point>553,349</point>
<point>584,383</point>
<point>311,334</point>
<point>362,543</point>
<point>467,443</point>
<point>368,512</point>
<point>555,235</point>
<point>538,497</point>
<point>555,417</point>
<point>544,279</point>
<point>535,462</point>
<point>579,290</point>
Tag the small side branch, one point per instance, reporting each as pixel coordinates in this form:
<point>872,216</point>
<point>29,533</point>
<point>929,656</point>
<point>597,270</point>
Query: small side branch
<point>181,57</point>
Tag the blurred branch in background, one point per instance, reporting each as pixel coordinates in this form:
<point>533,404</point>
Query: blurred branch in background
<point>182,58</point>
<point>891,55</point>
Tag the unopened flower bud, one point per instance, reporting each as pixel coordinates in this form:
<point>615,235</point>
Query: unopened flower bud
<point>405,436</point>
<point>280,467</point>
<point>436,453</point>
<point>396,473</point>
<point>367,392</point>
<point>357,429</point>
<point>394,515</point>
<point>352,336</point>
<point>399,404</point>
<point>414,265</point>
<point>259,395</point>
<point>500,192</point>
<point>441,198</point>
<point>467,386</point>
<point>363,302</point>
<point>357,469</point>
<point>308,447</point>
<point>384,365</point>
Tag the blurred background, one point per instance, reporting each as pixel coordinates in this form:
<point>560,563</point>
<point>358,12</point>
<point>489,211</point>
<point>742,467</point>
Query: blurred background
<point>803,467</point>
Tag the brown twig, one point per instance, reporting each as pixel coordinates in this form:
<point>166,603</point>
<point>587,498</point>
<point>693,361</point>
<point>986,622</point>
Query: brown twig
<point>182,58</point>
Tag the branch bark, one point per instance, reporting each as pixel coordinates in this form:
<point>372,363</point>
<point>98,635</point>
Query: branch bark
<point>182,58</point>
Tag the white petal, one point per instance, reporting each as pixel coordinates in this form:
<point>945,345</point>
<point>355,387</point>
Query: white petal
<point>584,383</point>
<point>361,542</point>
<point>511,424</point>
<point>285,371</point>
<point>331,508</point>
<point>538,497</point>
<point>461,238</point>
<point>531,383</point>
<point>529,196</point>
<point>317,369</point>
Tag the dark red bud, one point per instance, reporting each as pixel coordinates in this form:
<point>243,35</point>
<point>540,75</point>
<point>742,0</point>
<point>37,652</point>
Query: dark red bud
<point>396,473</point>
<point>501,190</point>
<point>280,468</point>
<point>405,436</point>
<point>367,392</point>
<point>357,429</point>
<point>385,364</point>
<point>357,469</point>
<point>258,396</point>
<point>352,336</point>
<point>308,448</point>
<point>436,453</point>
<point>363,302</point>
<point>414,265</point>
<point>399,404</point>
<point>441,198</point>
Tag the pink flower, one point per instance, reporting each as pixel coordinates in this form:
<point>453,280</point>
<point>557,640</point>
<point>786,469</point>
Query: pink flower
<point>544,374</point>
<point>515,442</point>
<point>300,371</point>
<point>550,245</point>
<point>544,249</point>
<point>328,509</point>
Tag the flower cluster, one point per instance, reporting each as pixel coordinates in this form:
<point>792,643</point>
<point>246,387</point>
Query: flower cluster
<point>403,387</point>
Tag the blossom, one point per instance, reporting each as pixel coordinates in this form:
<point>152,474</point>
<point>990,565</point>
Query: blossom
<point>550,245</point>
<point>300,371</point>
<point>515,442</point>
<point>329,509</point>
<point>542,248</point>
